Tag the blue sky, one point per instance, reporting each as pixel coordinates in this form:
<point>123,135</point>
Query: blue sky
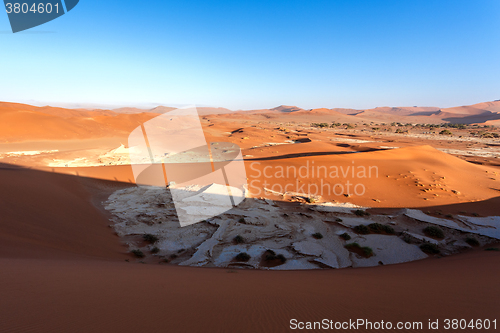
<point>258,54</point>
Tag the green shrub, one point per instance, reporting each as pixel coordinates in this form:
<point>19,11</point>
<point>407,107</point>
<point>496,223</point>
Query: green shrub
<point>367,251</point>
<point>242,256</point>
<point>492,249</point>
<point>360,212</point>
<point>364,251</point>
<point>345,236</point>
<point>320,125</point>
<point>138,253</point>
<point>317,235</point>
<point>150,238</point>
<point>445,132</point>
<point>435,232</point>
<point>472,241</point>
<point>362,229</point>
<point>429,248</point>
<point>379,228</point>
<point>242,220</point>
<point>238,239</point>
<point>155,250</point>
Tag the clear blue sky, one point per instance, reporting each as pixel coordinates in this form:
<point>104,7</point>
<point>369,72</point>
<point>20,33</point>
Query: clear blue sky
<point>258,54</point>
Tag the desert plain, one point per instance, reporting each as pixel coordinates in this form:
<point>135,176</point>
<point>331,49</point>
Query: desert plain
<point>390,214</point>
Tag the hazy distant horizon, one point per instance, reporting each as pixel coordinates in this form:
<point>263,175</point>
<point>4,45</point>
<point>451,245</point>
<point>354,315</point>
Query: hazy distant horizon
<point>149,106</point>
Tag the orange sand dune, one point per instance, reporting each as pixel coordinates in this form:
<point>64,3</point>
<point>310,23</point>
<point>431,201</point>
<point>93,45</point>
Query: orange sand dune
<point>476,108</point>
<point>415,177</point>
<point>63,270</point>
<point>50,216</point>
<point>19,122</point>
<point>408,177</point>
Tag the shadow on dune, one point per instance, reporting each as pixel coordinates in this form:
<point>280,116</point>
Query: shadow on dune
<point>313,154</point>
<point>51,215</point>
<point>478,118</point>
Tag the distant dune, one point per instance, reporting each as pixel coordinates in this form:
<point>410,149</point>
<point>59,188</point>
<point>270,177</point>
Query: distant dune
<point>21,122</point>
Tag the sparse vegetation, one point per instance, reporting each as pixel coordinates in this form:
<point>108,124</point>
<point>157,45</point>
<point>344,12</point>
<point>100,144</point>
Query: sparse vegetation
<point>317,235</point>
<point>138,253</point>
<point>360,212</point>
<point>310,200</point>
<point>238,239</point>
<point>472,241</point>
<point>445,132</point>
<point>380,228</point>
<point>270,255</point>
<point>434,232</point>
<point>150,238</point>
<point>362,229</point>
<point>155,250</point>
<point>407,238</point>
<point>492,249</point>
<point>345,236</point>
<point>241,220</point>
<point>364,251</point>
<point>242,256</point>
<point>320,125</point>
<point>429,248</point>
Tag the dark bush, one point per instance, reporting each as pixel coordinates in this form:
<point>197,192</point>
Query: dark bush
<point>472,241</point>
<point>429,248</point>
<point>155,250</point>
<point>138,253</point>
<point>379,228</point>
<point>492,249</point>
<point>360,212</point>
<point>362,229</point>
<point>345,236</point>
<point>150,238</point>
<point>364,251</point>
<point>238,239</point>
<point>435,232</point>
<point>243,256</point>
<point>270,255</point>
<point>317,235</point>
